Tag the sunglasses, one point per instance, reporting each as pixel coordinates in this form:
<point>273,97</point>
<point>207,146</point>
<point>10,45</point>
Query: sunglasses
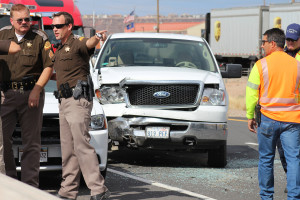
<point>27,19</point>
<point>58,26</point>
<point>290,40</point>
<point>263,42</point>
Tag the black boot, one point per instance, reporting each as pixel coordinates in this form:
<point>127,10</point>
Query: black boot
<point>103,195</point>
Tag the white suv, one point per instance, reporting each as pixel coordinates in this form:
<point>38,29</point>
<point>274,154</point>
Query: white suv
<point>164,91</point>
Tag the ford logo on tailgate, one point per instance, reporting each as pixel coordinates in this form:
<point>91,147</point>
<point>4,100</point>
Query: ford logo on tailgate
<point>161,94</point>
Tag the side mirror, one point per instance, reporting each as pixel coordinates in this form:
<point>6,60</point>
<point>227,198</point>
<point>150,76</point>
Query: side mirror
<point>232,71</point>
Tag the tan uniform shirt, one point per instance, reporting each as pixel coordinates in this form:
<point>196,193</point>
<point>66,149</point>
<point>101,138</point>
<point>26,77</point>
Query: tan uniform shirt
<point>4,46</point>
<point>35,55</point>
<point>71,61</point>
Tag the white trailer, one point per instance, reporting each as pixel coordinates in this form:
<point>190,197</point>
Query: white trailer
<point>235,34</point>
<point>281,15</point>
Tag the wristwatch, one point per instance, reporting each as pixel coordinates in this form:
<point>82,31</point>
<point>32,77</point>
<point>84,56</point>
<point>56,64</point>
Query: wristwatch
<point>99,35</point>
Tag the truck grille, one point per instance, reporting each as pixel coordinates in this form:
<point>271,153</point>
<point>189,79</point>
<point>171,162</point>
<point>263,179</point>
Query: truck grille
<point>180,94</point>
<point>50,130</point>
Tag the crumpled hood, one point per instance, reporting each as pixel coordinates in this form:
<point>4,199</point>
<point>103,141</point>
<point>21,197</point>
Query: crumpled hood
<point>113,75</point>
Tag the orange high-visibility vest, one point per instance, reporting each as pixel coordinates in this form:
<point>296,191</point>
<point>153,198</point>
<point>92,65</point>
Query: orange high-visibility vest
<point>279,87</point>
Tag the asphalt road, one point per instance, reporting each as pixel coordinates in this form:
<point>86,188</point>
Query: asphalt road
<point>184,175</point>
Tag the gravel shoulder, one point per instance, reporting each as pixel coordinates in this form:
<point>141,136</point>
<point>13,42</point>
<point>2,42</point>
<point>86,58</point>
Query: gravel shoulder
<point>236,89</point>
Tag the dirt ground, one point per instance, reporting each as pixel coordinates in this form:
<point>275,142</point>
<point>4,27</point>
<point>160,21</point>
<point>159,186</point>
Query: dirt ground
<point>236,89</point>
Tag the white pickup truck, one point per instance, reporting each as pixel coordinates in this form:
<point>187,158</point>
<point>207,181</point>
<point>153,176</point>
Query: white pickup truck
<point>164,91</point>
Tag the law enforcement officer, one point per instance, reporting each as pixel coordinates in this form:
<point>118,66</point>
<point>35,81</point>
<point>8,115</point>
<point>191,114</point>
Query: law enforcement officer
<point>24,76</point>
<point>292,48</point>
<point>71,63</point>
<point>10,47</point>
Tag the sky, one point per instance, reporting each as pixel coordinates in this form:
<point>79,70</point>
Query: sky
<point>149,7</point>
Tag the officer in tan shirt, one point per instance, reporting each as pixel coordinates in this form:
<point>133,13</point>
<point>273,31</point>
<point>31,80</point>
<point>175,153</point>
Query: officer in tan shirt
<point>71,63</point>
<point>24,76</point>
<point>9,47</point>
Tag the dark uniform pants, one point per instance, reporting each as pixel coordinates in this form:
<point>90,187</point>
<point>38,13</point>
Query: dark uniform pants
<point>77,153</point>
<point>15,108</point>
<point>2,166</point>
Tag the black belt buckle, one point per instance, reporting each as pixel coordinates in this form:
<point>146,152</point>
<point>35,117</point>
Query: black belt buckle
<point>14,85</point>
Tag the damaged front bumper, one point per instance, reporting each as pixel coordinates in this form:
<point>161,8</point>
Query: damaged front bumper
<point>183,134</point>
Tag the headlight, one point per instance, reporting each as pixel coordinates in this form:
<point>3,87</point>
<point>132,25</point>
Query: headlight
<point>111,95</point>
<point>98,122</point>
<point>213,97</point>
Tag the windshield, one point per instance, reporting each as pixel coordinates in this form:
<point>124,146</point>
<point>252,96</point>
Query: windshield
<point>4,20</point>
<point>156,52</point>
<point>77,30</point>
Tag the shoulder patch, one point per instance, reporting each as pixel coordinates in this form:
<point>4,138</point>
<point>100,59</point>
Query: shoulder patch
<point>6,28</point>
<point>40,33</point>
<point>47,46</point>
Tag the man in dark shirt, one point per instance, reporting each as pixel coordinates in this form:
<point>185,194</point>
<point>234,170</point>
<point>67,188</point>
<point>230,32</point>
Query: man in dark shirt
<point>71,63</point>
<point>6,47</point>
<point>24,76</point>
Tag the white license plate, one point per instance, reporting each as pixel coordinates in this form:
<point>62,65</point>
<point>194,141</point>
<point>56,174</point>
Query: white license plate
<point>43,154</point>
<point>157,132</point>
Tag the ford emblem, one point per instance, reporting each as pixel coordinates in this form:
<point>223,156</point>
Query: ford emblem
<point>161,94</point>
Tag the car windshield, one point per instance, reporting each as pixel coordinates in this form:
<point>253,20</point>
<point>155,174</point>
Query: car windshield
<point>156,52</point>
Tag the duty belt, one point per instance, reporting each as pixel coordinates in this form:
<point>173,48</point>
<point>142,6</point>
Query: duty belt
<point>19,85</point>
<point>63,94</point>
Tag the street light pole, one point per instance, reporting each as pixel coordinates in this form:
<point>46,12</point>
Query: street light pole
<point>157,28</point>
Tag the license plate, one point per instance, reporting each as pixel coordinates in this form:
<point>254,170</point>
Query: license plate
<point>43,154</point>
<point>158,132</point>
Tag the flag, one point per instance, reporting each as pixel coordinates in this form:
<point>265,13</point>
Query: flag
<point>129,18</point>
<point>130,26</point>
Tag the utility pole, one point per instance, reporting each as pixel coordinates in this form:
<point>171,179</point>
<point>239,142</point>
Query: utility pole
<point>157,28</point>
<point>93,13</point>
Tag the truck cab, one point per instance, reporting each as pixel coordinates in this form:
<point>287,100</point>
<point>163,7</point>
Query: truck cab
<point>35,18</point>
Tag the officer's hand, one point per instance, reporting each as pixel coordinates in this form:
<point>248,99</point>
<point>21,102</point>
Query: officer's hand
<point>34,97</point>
<point>103,33</point>
<point>252,125</point>
<point>14,48</point>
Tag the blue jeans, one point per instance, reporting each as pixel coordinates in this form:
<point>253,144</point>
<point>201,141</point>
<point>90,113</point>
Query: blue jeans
<point>281,155</point>
<point>268,133</point>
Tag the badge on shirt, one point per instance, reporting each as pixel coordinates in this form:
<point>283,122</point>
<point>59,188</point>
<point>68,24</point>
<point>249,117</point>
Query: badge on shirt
<point>47,46</point>
<point>29,44</point>
<point>67,49</point>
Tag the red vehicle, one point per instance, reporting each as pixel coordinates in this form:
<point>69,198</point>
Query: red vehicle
<point>48,7</point>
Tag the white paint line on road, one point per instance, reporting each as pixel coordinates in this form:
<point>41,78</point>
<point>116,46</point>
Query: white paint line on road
<point>250,143</point>
<point>193,194</point>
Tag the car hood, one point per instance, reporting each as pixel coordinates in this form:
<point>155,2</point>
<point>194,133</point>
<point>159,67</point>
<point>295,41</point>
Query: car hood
<point>115,75</point>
